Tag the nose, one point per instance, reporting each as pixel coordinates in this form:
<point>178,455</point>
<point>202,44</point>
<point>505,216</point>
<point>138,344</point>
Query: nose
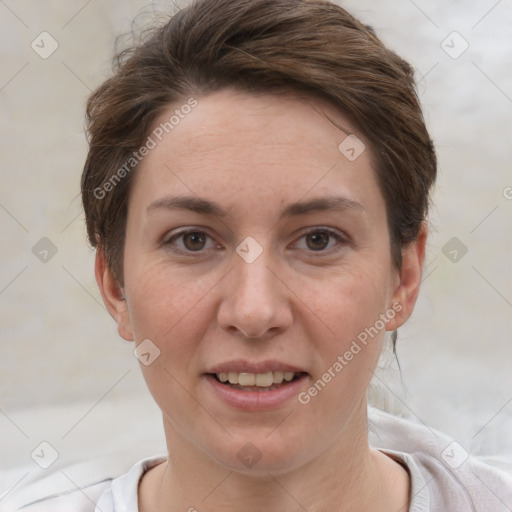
<point>255,300</point>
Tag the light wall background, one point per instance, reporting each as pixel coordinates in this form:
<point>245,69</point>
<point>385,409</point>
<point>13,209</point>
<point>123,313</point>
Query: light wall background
<point>65,375</point>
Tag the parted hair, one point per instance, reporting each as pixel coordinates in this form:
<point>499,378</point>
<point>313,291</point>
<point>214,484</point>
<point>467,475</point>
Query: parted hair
<point>311,47</point>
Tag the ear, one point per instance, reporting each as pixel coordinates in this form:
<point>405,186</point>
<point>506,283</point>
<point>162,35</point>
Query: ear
<point>113,296</point>
<point>408,280</point>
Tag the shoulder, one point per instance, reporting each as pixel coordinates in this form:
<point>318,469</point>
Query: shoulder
<point>444,476</point>
<point>85,487</point>
<point>81,499</point>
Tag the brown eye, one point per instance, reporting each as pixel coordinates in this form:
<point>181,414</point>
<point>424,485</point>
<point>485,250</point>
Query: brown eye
<point>194,241</point>
<point>318,240</point>
<point>190,241</point>
<point>321,241</point>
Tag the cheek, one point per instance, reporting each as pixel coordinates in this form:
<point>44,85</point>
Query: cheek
<point>169,308</point>
<point>169,305</point>
<point>349,300</point>
<point>350,305</point>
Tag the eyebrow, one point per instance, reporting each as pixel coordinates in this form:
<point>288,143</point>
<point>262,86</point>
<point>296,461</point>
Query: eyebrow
<point>206,207</point>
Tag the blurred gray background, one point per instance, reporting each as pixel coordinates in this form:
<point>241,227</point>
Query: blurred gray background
<point>66,376</point>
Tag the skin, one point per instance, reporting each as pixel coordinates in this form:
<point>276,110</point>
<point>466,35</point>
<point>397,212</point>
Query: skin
<point>254,155</point>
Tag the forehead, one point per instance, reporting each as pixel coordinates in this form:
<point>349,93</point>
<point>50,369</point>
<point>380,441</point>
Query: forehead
<point>268,148</point>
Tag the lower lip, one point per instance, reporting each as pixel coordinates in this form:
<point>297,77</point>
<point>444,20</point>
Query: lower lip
<point>256,400</point>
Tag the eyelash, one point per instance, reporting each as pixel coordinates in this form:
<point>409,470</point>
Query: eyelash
<point>331,233</point>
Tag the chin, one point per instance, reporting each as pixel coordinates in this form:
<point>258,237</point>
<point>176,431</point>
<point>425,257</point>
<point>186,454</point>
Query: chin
<point>258,452</point>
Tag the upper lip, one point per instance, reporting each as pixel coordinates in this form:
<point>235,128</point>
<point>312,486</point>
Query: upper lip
<point>243,366</point>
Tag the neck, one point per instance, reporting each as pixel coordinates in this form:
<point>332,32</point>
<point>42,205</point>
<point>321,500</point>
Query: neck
<point>347,476</point>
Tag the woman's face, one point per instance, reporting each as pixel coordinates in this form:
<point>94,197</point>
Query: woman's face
<point>255,245</point>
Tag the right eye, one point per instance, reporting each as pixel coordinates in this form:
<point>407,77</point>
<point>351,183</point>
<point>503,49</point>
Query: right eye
<point>189,241</point>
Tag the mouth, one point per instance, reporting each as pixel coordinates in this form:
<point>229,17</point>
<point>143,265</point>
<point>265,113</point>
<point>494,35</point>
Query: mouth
<point>255,385</point>
<point>257,382</point>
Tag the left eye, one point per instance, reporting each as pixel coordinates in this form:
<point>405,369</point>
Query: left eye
<point>320,240</point>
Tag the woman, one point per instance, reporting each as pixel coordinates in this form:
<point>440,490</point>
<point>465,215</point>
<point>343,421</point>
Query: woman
<point>257,189</point>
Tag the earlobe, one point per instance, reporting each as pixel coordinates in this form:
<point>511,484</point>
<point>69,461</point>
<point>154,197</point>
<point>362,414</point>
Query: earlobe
<point>407,289</point>
<point>113,296</point>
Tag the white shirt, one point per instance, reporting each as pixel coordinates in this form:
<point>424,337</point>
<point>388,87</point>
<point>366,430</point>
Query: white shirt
<point>444,478</point>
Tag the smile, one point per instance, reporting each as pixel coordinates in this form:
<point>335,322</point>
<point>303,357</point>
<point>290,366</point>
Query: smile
<point>256,381</point>
<point>256,391</point>
<point>262,380</point>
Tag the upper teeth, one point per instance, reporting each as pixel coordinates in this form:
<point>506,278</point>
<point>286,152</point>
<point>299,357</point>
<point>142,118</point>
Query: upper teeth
<point>255,379</point>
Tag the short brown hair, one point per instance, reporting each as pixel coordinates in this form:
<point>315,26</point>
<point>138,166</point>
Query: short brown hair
<point>313,47</point>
